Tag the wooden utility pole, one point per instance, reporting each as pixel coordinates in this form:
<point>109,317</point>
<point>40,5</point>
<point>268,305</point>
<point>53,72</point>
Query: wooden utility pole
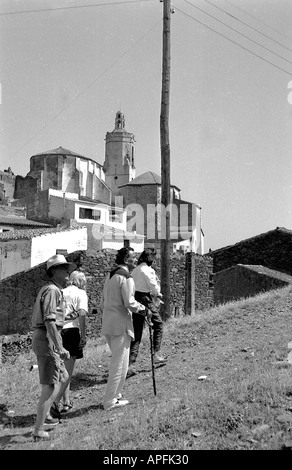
<point>165,163</point>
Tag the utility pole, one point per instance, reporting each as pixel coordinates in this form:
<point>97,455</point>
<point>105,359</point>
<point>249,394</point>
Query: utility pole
<point>165,163</point>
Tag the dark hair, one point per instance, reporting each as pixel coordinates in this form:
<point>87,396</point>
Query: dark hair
<point>147,256</point>
<point>123,254</point>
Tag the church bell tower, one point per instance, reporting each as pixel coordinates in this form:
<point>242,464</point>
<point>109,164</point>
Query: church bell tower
<point>119,166</point>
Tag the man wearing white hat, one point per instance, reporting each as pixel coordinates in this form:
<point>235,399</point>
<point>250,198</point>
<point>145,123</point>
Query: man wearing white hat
<point>47,321</point>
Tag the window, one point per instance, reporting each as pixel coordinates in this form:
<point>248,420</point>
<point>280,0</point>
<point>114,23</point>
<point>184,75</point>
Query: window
<point>85,213</point>
<point>115,216</point>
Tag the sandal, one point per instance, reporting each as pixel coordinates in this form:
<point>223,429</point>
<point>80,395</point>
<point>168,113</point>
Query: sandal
<point>41,435</point>
<point>66,407</point>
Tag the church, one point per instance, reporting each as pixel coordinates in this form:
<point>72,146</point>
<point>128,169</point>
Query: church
<point>64,187</point>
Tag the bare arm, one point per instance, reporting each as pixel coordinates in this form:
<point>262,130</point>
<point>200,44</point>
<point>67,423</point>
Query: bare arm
<point>56,339</point>
<point>82,326</point>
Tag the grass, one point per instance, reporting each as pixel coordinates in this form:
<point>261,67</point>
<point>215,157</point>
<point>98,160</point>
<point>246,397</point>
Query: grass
<point>238,406</point>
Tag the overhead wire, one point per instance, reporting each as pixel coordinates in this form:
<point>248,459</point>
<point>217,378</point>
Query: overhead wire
<point>260,21</point>
<point>118,59</point>
<point>248,25</point>
<point>20,12</point>
<point>84,90</point>
<point>234,42</point>
<point>238,32</point>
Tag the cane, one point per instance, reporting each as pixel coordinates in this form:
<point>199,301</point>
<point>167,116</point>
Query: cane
<point>152,353</point>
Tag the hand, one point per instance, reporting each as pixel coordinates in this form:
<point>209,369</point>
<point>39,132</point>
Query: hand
<point>82,342</point>
<point>64,354</point>
<point>148,314</point>
<point>71,316</point>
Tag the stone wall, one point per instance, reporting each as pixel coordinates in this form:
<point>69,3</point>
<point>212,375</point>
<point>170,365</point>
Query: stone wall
<point>17,295</point>
<point>203,284</point>
<point>243,281</point>
<point>7,180</point>
<point>272,249</point>
<point>18,292</point>
<point>25,186</point>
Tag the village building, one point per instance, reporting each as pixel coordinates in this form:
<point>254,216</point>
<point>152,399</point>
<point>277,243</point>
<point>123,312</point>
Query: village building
<point>21,250</point>
<point>7,186</point>
<point>142,196</point>
<point>68,189</point>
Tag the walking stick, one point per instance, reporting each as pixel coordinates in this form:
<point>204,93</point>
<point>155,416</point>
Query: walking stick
<point>152,353</point>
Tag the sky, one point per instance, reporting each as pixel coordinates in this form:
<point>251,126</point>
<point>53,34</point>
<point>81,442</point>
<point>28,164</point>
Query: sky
<point>66,71</point>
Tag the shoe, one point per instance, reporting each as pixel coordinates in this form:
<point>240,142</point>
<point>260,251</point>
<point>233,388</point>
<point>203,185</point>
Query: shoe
<point>117,404</point>
<point>51,421</point>
<point>41,435</point>
<point>131,372</point>
<point>66,407</point>
<point>54,411</point>
<point>158,358</point>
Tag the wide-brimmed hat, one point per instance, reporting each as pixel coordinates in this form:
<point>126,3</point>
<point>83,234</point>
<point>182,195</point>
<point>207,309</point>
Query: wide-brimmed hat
<point>58,260</point>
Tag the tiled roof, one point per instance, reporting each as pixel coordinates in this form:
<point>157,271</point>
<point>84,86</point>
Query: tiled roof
<point>146,178</point>
<point>31,233</point>
<point>266,271</point>
<point>12,220</point>
<point>59,151</point>
<point>63,151</point>
<point>282,230</point>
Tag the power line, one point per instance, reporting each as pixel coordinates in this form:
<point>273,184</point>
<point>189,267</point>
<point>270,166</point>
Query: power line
<point>234,42</point>
<point>72,7</point>
<point>238,32</point>
<point>249,26</point>
<point>257,19</point>
<point>84,90</point>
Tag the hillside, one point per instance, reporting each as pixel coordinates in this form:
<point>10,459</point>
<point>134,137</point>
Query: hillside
<point>244,402</point>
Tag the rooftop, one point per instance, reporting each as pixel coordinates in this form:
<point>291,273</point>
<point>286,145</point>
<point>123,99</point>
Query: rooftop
<point>14,220</point>
<point>63,151</point>
<point>145,179</point>
<point>32,233</point>
<point>281,230</point>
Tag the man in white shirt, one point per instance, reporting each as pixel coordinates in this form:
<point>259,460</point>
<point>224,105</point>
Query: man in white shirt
<point>118,302</point>
<point>147,291</point>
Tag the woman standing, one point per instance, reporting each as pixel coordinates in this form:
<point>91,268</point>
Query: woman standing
<point>74,330</point>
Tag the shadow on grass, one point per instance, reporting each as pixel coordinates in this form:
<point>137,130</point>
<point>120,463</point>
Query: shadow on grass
<point>81,380</point>
<point>12,438</point>
<point>157,366</point>
<point>82,411</point>
<point>23,421</point>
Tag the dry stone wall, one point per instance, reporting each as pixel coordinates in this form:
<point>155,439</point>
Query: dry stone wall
<point>18,292</point>
<point>272,249</point>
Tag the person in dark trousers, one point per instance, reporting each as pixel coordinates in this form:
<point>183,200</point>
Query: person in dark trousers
<point>147,292</point>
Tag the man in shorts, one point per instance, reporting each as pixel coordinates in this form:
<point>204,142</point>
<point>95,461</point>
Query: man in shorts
<point>47,321</point>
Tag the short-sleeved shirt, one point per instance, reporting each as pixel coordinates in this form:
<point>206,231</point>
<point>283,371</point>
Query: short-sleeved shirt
<point>49,305</point>
<point>76,299</point>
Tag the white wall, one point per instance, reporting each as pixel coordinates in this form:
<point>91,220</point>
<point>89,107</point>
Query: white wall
<point>58,193</point>
<point>45,246</point>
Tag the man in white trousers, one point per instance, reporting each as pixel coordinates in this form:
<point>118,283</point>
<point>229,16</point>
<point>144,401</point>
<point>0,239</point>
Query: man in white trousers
<point>117,303</point>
